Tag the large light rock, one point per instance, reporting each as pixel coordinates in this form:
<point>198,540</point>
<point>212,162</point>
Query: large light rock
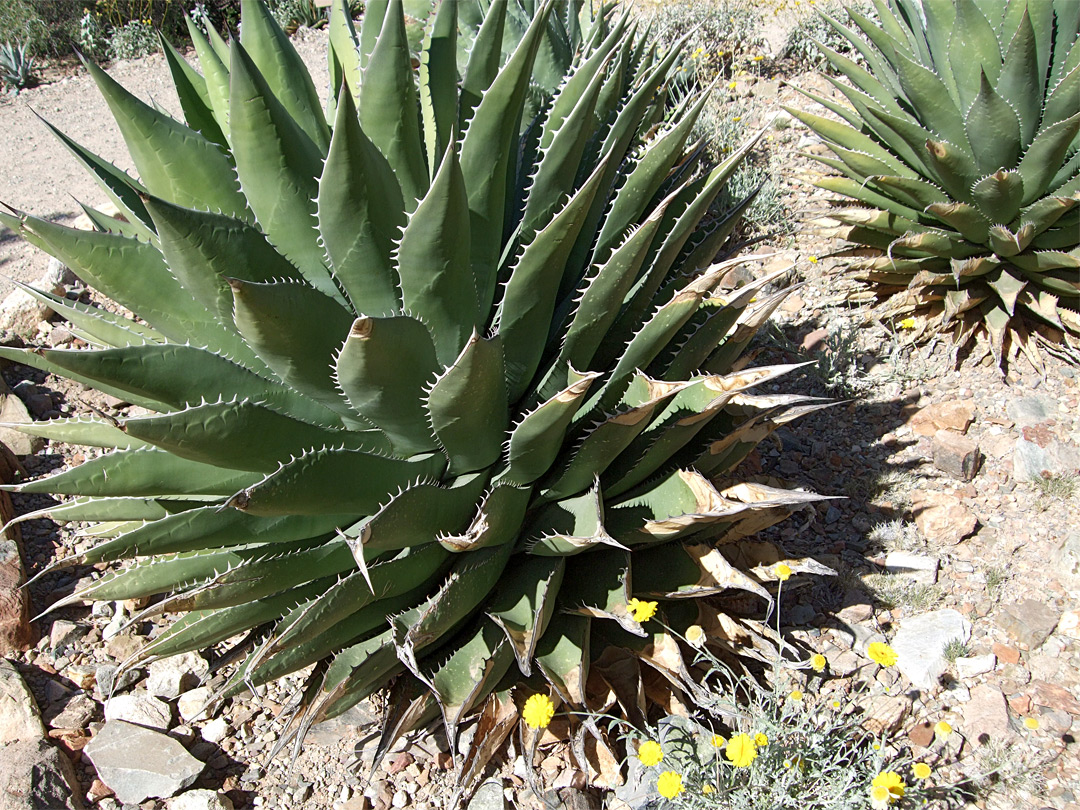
<point>139,708</point>
<point>920,644</point>
<point>19,717</point>
<point>14,411</point>
<point>200,800</point>
<point>37,776</point>
<point>21,312</point>
<point>139,763</point>
<point>171,677</point>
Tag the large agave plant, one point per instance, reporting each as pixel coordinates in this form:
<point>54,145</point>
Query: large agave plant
<point>437,384</point>
<point>963,146</point>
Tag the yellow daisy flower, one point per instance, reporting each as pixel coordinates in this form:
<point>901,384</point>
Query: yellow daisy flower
<point>942,729</point>
<point>718,741</point>
<point>782,571</point>
<point>761,740</point>
<point>669,784</point>
<point>881,653</point>
<point>538,711</point>
<point>818,662</point>
<point>650,753</point>
<point>741,750</point>
<point>796,695</point>
<point>921,770</point>
<point>641,610</point>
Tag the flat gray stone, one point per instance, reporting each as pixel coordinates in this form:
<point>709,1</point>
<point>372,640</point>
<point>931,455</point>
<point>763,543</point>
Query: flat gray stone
<point>915,567</point>
<point>140,763</point>
<point>37,776</point>
<point>920,645</point>
<point>19,717</point>
<point>489,796</point>
<point>975,665</point>
<point>140,709</point>
<point>1038,454</point>
<point>171,677</point>
<point>200,800</point>
<point>1030,410</point>
<point>1030,622</point>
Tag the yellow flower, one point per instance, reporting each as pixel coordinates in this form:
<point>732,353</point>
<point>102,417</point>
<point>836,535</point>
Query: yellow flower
<point>538,711</point>
<point>741,750</point>
<point>876,746</point>
<point>695,635</point>
<point>783,572</point>
<point>707,789</point>
<point>880,798</point>
<point>718,741</point>
<point>921,770</point>
<point>818,662</point>
<point>733,85</point>
<point>795,695</point>
<point>907,323</point>
<point>836,704</point>
<point>881,653</point>
<point>891,781</point>
<point>760,740</point>
<point>669,784</point>
<point>641,611</point>
<point>650,753</point>
<point>942,729</point>
<point>1031,723</point>
<point>758,58</point>
<point>813,260</point>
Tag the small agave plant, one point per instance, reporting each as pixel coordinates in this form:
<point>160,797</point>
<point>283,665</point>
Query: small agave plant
<point>963,146</point>
<point>439,382</point>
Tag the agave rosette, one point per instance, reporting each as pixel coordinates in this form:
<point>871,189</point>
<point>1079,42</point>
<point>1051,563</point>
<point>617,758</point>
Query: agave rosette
<point>436,382</point>
<point>962,142</point>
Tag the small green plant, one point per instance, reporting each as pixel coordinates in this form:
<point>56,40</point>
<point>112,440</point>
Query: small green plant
<point>810,30</point>
<point>133,39</point>
<point>92,37</point>
<point>894,535</point>
<point>1058,487</point>
<point>892,592</point>
<point>789,744</point>
<point>16,67</point>
<point>995,581</point>
<point>294,14</point>
<point>956,648</point>
<point>837,363</point>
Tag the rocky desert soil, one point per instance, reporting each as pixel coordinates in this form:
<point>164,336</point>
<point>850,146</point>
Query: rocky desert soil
<point>949,530</point>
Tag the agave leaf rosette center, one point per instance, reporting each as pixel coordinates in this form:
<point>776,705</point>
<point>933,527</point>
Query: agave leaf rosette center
<point>962,141</point>
<point>433,383</point>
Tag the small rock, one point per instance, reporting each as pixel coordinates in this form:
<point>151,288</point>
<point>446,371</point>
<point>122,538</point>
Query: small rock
<point>139,709</point>
<point>170,677</point>
<point>1054,696</point>
<point>942,518</point>
<point>922,735</point>
<point>1039,454</point>
<point>37,776</point>
<point>13,410</point>
<point>64,634</point>
<point>82,676</point>
<point>489,796</point>
<point>215,730</point>
<point>955,455</point>
<point>885,713</point>
<point>1005,653</point>
<point>16,632</point>
<point>200,800</point>
<point>1069,624</point>
<point>920,644</point>
<point>792,304</point>
<point>19,717</point>
<point>954,415</point>
<point>139,763</point>
<point>76,712</point>
<point>986,715</point>
<point>1029,622</point>
<point>192,703</point>
<point>815,341</point>
<point>976,665</point>
<point>1030,410</point>
<point>1068,554</point>
<point>915,567</point>
<point>106,682</point>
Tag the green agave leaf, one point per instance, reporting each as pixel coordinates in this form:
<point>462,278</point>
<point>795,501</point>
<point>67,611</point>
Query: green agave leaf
<point>1020,84</point>
<point>333,481</point>
<point>142,472</point>
<point>344,47</point>
<point>999,196</point>
<point>993,129</point>
<point>193,95</point>
<point>278,165</point>
<point>604,594</point>
<point>419,514</point>
<point>214,66</point>
<point>174,161</point>
<point>283,69</point>
<point>963,218</point>
<point>975,58</point>
<point>562,654</point>
<point>467,406</point>
<point>925,90</point>
<point>1046,153</point>
<point>484,59</point>
<point>433,263</point>
<point>676,571</point>
<point>1061,103</point>
<point>383,370</point>
<point>524,604</point>
<point>570,526</point>
<point>388,104</point>
<point>361,211</point>
<point>497,520</point>
<point>88,431</point>
<point>536,440</point>
<point>438,83</point>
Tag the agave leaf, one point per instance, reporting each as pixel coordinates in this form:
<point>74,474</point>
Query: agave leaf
<point>382,369</point>
<point>174,162</point>
<point>283,69</point>
<point>82,430</point>
<point>993,129</point>
<point>497,520</point>
<point>963,218</point>
<point>417,515</point>
<point>215,70</point>
<point>433,263</point>
<point>999,196</point>
<point>388,105</point>
<point>563,655</point>
<point>925,90</point>
<point>470,579</point>
<point>1045,155</point>
<point>953,168</point>
<point>1020,84</point>
<point>278,165</point>
<point>438,83</point>
<point>484,59</point>
<point>1008,287</point>
<point>97,326</point>
<point>1061,103</point>
<point>537,439</point>
<point>524,604</point>
<point>345,52</point>
<point>604,594</point>
<point>141,472</point>
<point>193,95</point>
<point>975,59</point>
<point>467,405</point>
<point>332,481</point>
<point>361,211</point>
<point>677,571</point>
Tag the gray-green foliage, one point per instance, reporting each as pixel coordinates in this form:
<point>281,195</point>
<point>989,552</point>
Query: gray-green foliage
<point>16,67</point>
<point>962,143</point>
<point>437,379</point>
